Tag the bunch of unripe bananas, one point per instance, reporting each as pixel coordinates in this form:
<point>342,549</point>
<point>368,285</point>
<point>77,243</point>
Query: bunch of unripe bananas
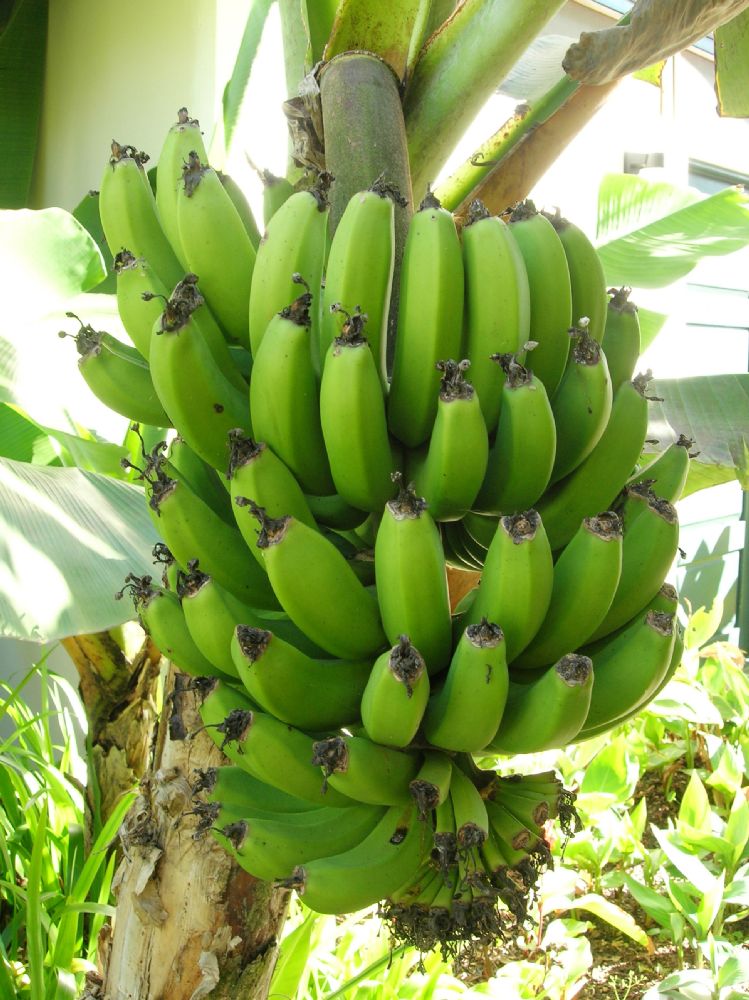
<point>333,456</point>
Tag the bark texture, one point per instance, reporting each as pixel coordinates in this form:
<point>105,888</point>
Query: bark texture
<point>190,923</point>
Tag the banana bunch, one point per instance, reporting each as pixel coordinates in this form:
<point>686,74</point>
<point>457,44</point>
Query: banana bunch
<point>314,484</point>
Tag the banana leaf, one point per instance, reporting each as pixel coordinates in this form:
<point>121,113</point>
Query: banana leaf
<point>67,540</point>
<point>651,234</point>
<point>235,89</point>
<point>732,66</point>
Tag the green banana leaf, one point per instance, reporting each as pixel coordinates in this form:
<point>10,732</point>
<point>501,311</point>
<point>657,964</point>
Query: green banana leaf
<point>67,540</point>
<point>732,66</point>
<point>235,89</point>
<point>23,50</point>
<point>651,234</point>
<point>712,410</point>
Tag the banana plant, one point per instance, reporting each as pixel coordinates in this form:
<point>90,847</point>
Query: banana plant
<point>412,80</point>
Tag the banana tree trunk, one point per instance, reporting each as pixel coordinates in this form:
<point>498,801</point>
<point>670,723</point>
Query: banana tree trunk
<point>190,923</point>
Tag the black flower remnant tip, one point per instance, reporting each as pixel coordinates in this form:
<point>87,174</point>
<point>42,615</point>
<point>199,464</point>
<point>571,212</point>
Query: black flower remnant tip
<point>352,330</point>
<point>272,529</point>
<point>453,384</point>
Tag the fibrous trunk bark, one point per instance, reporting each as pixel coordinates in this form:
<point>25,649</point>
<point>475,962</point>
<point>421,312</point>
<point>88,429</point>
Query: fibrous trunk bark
<point>190,923</point>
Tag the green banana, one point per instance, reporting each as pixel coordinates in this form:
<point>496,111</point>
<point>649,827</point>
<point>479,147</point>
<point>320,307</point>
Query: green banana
<point>448,472</point>
<point>271,848</point>
<point>318,589</point>
<point>481,527</point>
<point>118,375</point>
<point>332,511</point>
<point>430,315</point>
<point>182,139</point>
<point>395,695</point>
<point>245,795</point>
<point>587,280</point>
<point>216,245</point>
<point>255,471</point>
<point>208,618</point>
<point>594,484</point>
<point>581,404</point>
<point>550,292</point>
<point>411,579</point>
<point>387,857</point>
<point>310,694</point>
<point>547,712</point>
<point>649,549</point>
<point>182,463</point>
<point>272,751</point>
<point>242,206</point>
<point>192,530</point>
<point>359,271</point>
<point>621,338</point>
<point>128,214</point>
<point>522,456</point>
<point>667,473</point>
<point>464,714</point>
<point>497,303</point>
<point>134,276</point>
<point>205,405</point>
<point>162,618</point>
<point>469,809</point>
<point>629,666</point>
<point>171,571</point>
<point>586,576</point>
<point>284,401</point>
<point>366,771</point>
<point>294,243</point>
<point>352,415</point>
<point>517,581</point>
<point>276,191</point>
<point>431,786</point>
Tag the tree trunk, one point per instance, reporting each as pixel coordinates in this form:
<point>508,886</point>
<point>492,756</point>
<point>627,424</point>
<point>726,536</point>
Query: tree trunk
<point>190,923</point>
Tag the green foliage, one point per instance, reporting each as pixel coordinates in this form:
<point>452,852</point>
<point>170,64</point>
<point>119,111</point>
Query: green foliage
<point>54,895</point>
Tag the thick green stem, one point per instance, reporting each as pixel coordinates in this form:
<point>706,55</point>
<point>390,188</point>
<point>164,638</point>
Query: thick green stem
<point>374,26</point>
<point>365,138</point>
<point>458,70</point>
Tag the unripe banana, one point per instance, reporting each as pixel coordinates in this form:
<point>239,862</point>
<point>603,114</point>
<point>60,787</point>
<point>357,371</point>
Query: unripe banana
<point>550,292</point>
<point>481,527</point>
<point>586,576</point>
<point>272,848</point>
<point>595,483</point>
<point>395,695</point>
<point>352,415</point>
<point>294,243</point>
<point>649,549</point>
<point>464,714</point>
<point>546,713</point>
<point>449,470</point>
<point>242,206</point>
<point>161,616</point>
<point>332,511</point>
<point>386,858</point>
<point>430,315</point>
<point>204,404</point>
<point>216,245</point>
<point>431,786</point>
<point>581,404</point>
<point>171,568</point>
<point>200,478</point>
<point>667,473</point>
<point>366,771</point>
<point>255,471</point>
<point>208,618</point>
<point>458,552</point>
<point>522,456</point>
<point>318,589</point>
<point>192,530</point>
<point>135,276</point>
<point>183,138</point>
<point>311,694</point>
<point>411,579</point>
<point>621,339</point>
<point>272,751</point>
<point>629,666</point>
<point>246,795</point>
<point>284,398</point>
<point>118,375</point>
<point>359,272</point>
<point>517,581</point>
<point>276,191</point>
<point>129,217</point>
<point>587,280</point>
<point>471,820</point>
<point>497,317</point>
